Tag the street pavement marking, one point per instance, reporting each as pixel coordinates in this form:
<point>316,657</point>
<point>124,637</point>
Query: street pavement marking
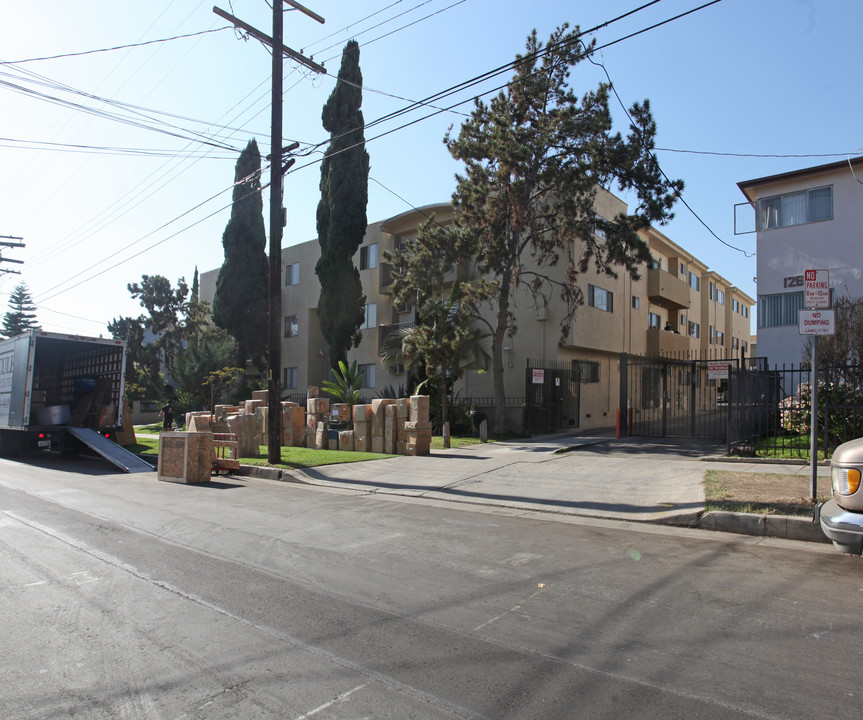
<point>340,698</point>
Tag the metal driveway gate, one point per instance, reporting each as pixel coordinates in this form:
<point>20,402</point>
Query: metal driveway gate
<point>552,396</point>
<point>662,397</point>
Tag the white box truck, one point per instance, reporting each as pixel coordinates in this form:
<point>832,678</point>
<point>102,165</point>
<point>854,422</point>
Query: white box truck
<point>59,391</point>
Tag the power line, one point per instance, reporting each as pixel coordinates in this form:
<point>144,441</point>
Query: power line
<point>111,49</point>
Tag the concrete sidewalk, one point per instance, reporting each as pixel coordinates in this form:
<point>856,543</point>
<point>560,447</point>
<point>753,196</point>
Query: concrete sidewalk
<point>636,479</point>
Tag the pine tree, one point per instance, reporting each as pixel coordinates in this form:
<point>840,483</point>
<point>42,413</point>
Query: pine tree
<point>533,158</point>
<point>341,217</point>
<point>240,300</point>
<point>21,315</point>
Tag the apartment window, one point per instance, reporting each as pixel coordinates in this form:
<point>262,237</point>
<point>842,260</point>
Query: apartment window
<point>636,302</point>
<point>779,310</point>
<point>654,320</point>
<point>712,335</point>
<point>683,269</point>
<point>597,230</point>
<point>795,208</point>
<point>292,325</point>
<point>735,343</point>
<point>735,306</point>
<point>289,380</point>
<point>600,298</point>
<point>694,281</point>
<point>720,338</point>
<point>720,296</point>
<point>369,256</point>
<point>654,264</point>
<point>694,329</point>
<point>292,274</point>
<point>712,289</point>
<point>368,372</point>
<point>744,310</point>
<point>585,371</point>
<point>683,320</point>
<point>371,317</point>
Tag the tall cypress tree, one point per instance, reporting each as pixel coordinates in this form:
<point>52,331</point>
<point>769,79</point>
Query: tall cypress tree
<point>22,312</point>
<point>240,300</point>
<point>341,218</point>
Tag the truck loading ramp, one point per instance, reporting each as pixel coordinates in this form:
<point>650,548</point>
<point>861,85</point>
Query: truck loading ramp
<point>111,451</point>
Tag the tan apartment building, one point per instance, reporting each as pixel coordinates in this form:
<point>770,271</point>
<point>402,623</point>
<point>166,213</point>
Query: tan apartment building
<point>666,311</point>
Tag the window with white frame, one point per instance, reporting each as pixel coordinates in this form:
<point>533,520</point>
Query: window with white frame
<point>371,317</point>
<point>720,296</point>
<point>720,338</point>
<point>735,306</point>
<point>712,335</point>
<point>369,256</point>
<point>600,298</point>
<point>694,329</point>
<point>292,326</point>
<point>744,310</point>
<point>636,302</point>
<point>597,229</point>
<point>654,320</point>
<point>289,379</point>
<point>292,274</point>
<point>368,372</point>
<point>797,208</point>
<point>712,287</point>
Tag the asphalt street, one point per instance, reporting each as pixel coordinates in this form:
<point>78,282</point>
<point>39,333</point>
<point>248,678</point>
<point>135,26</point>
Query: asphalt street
<point>127,597</point>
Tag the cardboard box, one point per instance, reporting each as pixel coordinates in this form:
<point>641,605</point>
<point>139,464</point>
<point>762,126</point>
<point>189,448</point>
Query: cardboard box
<point>262,395</point>
<point>346,440</point>
<point>361,443</point>
<point>403,408</point>
<point>419,408</point>
<point>362,413</point>
<point>318,406</point>
<point>322,437</point>
<point>377,444</point>
<point>340,412</point>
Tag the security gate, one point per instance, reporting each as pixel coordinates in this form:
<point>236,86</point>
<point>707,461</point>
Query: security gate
<point>552,393</point>
<point>661,397</point>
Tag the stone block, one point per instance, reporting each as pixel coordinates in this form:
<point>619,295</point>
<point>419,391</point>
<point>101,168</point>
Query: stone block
<point>198,423</point>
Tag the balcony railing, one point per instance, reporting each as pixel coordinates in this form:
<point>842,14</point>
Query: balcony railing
<point>385,331</point>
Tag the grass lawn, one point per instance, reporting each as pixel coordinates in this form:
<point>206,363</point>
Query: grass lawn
<point>786,446</point>
<point>293,457</point>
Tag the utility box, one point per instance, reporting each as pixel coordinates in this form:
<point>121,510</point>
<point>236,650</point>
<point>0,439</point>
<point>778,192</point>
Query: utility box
<point>185,457</point>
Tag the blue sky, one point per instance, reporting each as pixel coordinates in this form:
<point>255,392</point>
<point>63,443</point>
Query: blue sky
<point>732,86</point>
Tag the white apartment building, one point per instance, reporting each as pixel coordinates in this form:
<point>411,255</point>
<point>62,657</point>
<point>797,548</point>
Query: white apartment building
<point>807,219</point>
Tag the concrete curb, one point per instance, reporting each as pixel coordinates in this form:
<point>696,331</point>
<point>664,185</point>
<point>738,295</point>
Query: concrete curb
<point>788,527</point>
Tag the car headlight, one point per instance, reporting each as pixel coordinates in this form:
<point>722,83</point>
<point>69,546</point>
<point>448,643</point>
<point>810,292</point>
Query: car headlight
<point>846,480</point>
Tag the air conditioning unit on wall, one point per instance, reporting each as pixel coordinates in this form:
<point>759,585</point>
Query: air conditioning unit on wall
<point>396,368</point>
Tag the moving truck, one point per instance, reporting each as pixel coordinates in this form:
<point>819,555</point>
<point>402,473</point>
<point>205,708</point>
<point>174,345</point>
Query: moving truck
<point>58,392</point>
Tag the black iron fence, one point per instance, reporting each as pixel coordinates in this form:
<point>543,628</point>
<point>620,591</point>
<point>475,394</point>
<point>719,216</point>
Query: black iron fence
<point>770,410</point>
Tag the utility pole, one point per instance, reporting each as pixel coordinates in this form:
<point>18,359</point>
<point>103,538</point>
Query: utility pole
<point>274,342</point>
<point>6,241</point>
